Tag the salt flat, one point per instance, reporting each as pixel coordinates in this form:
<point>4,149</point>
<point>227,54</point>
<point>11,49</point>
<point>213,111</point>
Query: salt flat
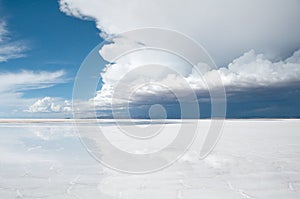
<point>253,159</point>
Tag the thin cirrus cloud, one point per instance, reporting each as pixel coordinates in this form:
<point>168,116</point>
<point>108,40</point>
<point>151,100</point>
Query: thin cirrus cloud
<point>8,49</point>
<point>27,80</point>
<point>14,84</point>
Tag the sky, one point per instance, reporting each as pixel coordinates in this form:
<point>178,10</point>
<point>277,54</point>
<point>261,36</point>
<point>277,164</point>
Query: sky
<point>255,46</point>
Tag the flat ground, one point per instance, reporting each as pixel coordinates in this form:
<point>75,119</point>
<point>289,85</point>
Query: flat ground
<point>253,159</point>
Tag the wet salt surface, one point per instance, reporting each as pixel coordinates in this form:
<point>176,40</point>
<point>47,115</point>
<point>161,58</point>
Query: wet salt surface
<point>253,159</point>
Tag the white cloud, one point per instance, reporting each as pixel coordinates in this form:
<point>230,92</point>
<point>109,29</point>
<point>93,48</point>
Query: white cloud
<point>50,104</point>
<point>26,80</point>
<point>8,49</point>
<point>3,31</point>
<point>127,75</point>
<point>224,28</point>
<point>253,70</point>
<point>14,84</point>
<point>248,71</point>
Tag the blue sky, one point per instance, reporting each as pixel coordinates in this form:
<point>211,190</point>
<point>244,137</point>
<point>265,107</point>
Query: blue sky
<point>44,43</point>
<point>53,40</point>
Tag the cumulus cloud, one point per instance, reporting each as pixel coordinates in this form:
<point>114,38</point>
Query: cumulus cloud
<point>145,74</point>
<point>14,84</point>
<point>251,70</point>
<point>266,31</point>
<point>254,70</point>
<point>224,28</point>
<point>50,104</point>
<point>8,49</point>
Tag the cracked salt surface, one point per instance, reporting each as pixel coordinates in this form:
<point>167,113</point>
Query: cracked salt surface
<point>253,159</point>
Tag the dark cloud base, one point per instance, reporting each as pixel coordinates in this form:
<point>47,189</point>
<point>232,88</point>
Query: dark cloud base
<point>263,102</point>
<point>276,102</point>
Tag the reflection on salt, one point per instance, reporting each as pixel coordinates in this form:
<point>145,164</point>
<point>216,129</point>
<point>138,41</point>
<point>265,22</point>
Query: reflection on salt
<point>47,160</point>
